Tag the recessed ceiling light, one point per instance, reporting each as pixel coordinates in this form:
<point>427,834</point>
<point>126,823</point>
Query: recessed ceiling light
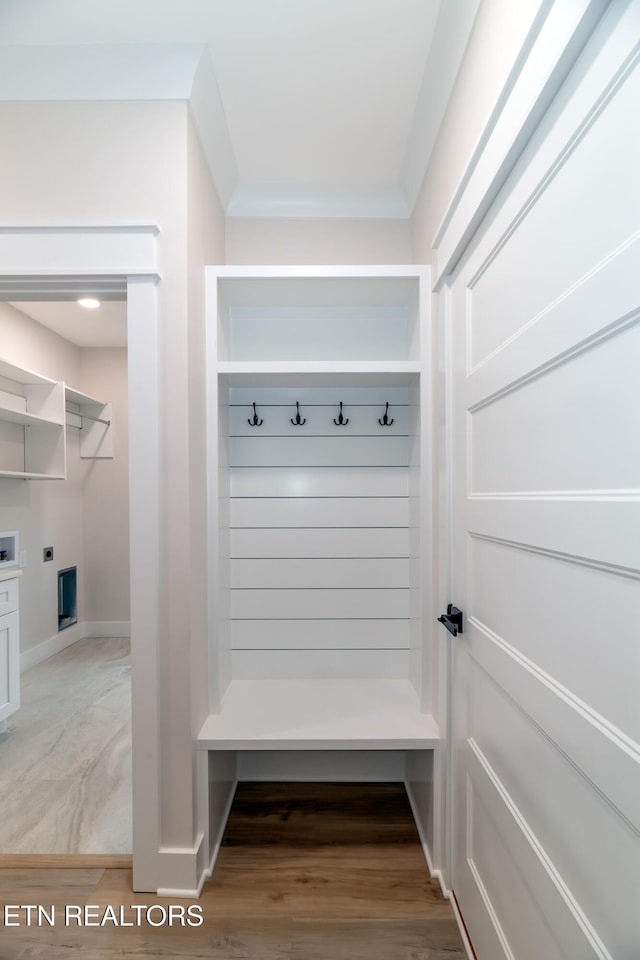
<point>89,302</point>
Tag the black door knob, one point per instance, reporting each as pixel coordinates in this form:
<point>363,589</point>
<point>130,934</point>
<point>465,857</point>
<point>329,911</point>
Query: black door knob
<point>452,620</point>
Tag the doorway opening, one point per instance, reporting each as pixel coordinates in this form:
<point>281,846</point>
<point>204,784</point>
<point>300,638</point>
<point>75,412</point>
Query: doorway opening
<point>66,749</point>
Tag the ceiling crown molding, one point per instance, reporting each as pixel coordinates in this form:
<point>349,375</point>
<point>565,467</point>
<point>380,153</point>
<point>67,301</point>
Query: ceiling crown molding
<point>286,202</point>
<point>210,122</point>
<point>99,71</point>
<point>446,50</point>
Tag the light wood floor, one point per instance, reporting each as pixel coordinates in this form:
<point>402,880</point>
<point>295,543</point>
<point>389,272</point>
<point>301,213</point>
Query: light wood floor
<point>306,872</point>
<point>65,759</point>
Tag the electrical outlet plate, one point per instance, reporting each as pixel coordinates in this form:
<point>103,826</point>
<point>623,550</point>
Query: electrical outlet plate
<point>47,554</point>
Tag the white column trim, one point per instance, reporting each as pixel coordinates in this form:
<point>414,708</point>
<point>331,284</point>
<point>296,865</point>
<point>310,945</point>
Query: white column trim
<point>52,259</point>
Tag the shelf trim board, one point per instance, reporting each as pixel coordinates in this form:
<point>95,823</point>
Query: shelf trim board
<point>81,399</point>
<point>314,272</point>
<point>25,418</point>
<point>10,371</point>
<point>25,475</point>
<point>319,368</point>
<point>319,715</point>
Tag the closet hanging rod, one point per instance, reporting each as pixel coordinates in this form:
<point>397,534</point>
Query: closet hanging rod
<point>86,416</point>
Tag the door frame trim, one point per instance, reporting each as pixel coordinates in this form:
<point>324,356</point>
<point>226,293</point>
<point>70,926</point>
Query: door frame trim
<point>53,262</point>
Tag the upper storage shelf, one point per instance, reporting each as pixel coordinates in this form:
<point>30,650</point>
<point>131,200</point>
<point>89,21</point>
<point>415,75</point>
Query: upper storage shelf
<point>348,314</point>
<point>34,411</point>
<point>32,442</point>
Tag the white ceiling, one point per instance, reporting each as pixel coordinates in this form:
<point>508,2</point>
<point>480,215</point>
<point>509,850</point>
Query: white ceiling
<point>104,327</point>
<point>305,107</point>
<point>314,108</point>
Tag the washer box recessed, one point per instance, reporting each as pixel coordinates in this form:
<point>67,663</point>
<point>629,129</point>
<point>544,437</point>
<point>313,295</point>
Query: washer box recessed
<point>67,598</point>
<point>8,548</point>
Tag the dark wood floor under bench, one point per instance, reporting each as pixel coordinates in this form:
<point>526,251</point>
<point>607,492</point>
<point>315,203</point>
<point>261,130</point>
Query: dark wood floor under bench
<point>306,872</point>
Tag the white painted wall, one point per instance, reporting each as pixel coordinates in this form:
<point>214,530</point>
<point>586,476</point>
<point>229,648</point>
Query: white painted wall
<point>250,241</point>
<point>47,512</point>
<point>120,163</point>
<point>85,517</point>
<point>494,45</point>
<point>205,239</point>
<point>28,344</point>
<point>205,245</point>
<point>105,493</point>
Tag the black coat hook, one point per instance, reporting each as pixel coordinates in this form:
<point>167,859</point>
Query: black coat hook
<point>341,422</point>
<point>255,420</point>
<point>298,422</point>
<point>385,422</point>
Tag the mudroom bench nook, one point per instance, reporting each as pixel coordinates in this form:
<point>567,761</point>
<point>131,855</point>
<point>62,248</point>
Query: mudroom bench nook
<point>321,626</point>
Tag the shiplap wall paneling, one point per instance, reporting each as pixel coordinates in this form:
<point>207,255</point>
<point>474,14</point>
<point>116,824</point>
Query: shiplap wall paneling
<point>325,542</point>
<point>319,516</point>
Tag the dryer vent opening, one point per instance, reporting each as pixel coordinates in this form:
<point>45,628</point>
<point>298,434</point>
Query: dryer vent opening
<point>67,598</point>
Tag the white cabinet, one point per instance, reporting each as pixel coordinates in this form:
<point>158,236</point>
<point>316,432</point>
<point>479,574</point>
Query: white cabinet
<point>9,645</point>
<point>32,425</point>
<point>319,423</point>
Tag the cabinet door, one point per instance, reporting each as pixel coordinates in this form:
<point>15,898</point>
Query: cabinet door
<point>9,665</point>
<point>8,596</point>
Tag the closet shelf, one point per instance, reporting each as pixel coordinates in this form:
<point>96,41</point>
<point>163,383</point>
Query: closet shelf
<point>319,715</point>
<point>24,475</point>
<point>22,375</point>
<point>26,419</point>
<point>36,404</point>
<point>318,373</point>
<point>81,399</point>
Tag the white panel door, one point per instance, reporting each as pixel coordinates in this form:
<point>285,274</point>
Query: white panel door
<point>545,314</point>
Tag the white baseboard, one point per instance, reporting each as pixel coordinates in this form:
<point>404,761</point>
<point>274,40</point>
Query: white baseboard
<point>56,643</point>
<point>180,864</point>
<point>218,842</point>
<point>437,874</point>
<point>107,628</point>
<point>189,893</point>
<point>461,927</point>
<point>423,839</point>
<point>79,631</point>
